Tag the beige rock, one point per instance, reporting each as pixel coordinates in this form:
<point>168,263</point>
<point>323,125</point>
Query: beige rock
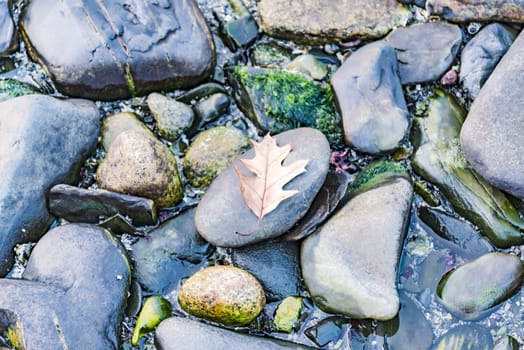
<point>139,164</point>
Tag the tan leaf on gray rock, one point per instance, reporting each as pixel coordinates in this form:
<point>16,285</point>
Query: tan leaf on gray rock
<point>263,191</point>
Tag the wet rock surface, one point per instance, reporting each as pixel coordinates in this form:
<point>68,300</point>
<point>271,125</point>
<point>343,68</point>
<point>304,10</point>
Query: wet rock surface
<point>439,159</point>
<point>43,141</point>
<point>475,287</point>
<point>319,21</point>
<point>167,254</point>
<point>369,97</point>
<point>496,112</point>
<point>220,227</point>
<point>138,164</point>
<point>481,55</point>
<point>425,51</point>
<point>222,294</point>
<point>80,205</point>
<point>72,293</point>
<point>338,259</point>
<point>265,87</point>
<point>274,264</point>
<point>478,10</point>
<point>117,50</point>
<point>465,337</point>
<point>194,335</point>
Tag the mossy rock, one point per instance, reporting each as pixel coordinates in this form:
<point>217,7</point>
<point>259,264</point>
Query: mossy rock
<point>211,152</point>
<point>278,100</point>
<point>10,88</point>
<point>223,294</point>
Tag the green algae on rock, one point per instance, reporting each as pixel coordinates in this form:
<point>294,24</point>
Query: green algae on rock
<point>223,294</point>
<point>211,152</point>
<point>472,290</point>
<point>465,337</point>
<point>439,160</point>
<point>10,88</point>
<point>155,310</point>
<point>287,314</point>
<point>278,100</point>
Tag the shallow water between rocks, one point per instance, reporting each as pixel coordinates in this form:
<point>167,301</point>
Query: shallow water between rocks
<point>425,256</point>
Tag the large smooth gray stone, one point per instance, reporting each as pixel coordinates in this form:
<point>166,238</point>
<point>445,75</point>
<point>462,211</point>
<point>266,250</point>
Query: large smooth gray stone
<point>111,49</point>
<point>8,42</point>
<point>321,21</point>
<point>350,264</point>
<point>491,136</point>
<point>43,141</point>
<point>425,51</point>
<point>370,99</point>
<point>482,53</point>
<point>178,333</point>
<point>73,292</point>
<point>222,212</point>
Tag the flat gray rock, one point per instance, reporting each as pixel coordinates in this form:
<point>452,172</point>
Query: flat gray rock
<point>313,21</point>
<point>477,10</point>
<point>350,264</point>
<point>370,99</point>
<point>425,51</point>
<point>178,333</point>
<point>91,206</point>
<point>8,42</point>
<point>73,292</point>
<point>482,53</point>
<point>222,213</point>
<point>119,49</point>
<point>43,141</point>
<point>169,253</point>
<point>491,136</point>
<point>275,265</point>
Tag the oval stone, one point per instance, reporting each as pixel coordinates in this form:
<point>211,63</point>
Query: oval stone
<point>473,289</point>
<point>139,164</point>
<point>223,294</point>
<point>212,151</point>
<point>222,213</point>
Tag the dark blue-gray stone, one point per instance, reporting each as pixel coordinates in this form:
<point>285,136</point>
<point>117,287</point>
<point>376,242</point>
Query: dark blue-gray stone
<point>72,294</point>
<point>106,50</point>
<point>43,142</point>
<point>370,99</point>
<point>481,55</point>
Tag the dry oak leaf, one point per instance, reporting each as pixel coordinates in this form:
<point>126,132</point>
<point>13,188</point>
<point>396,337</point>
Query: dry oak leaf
<point>263,191</point>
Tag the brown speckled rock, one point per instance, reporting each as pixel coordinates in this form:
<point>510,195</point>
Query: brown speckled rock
<point>139,164</point>
<point>223,294</point>
<point>478,10</point>
<point>115,124</point>
<point>320,21</point>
